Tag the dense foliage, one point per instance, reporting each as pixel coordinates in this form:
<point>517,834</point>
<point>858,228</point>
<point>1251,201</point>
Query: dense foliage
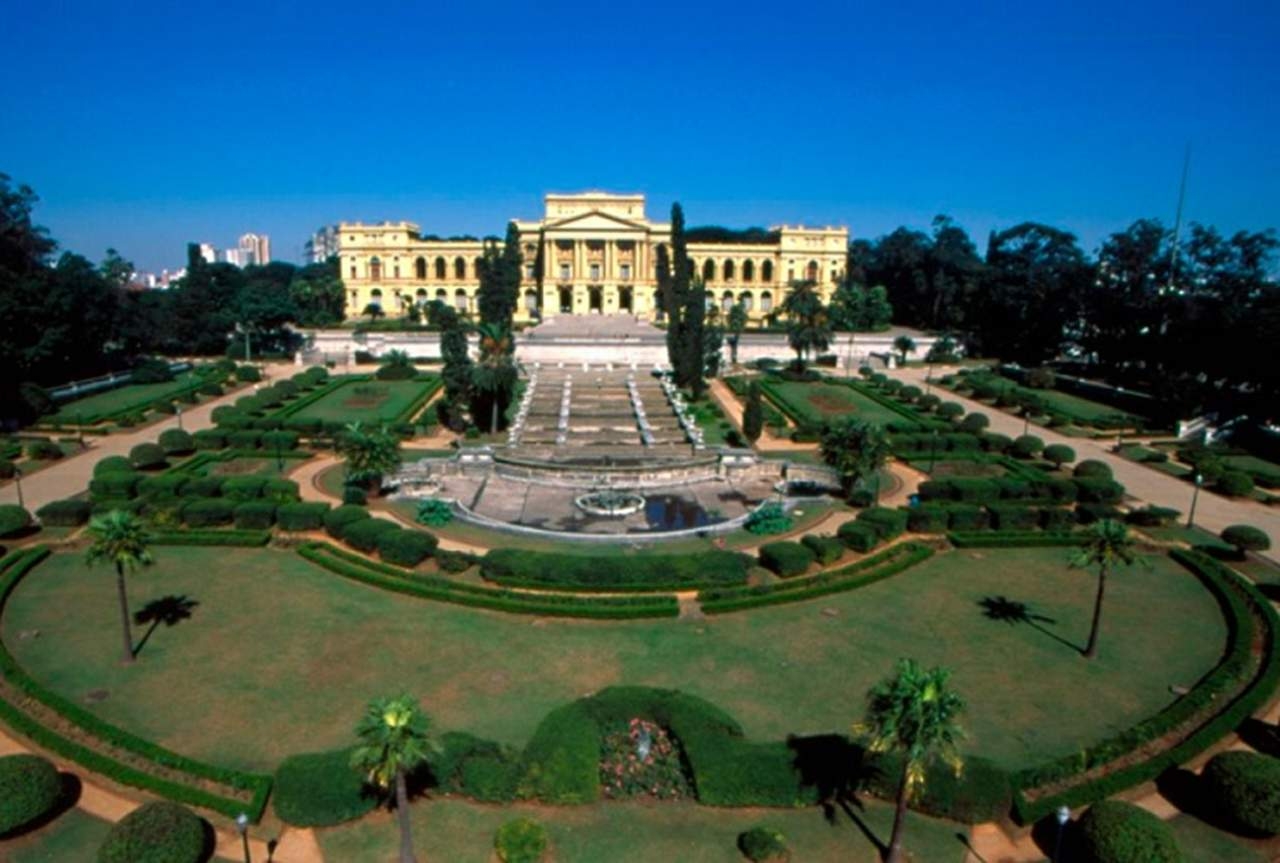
<point>1117,832</point>
<point>1245,788</point>
<point>30,788</point>
<point>155,833</point>
<point>321,789</point>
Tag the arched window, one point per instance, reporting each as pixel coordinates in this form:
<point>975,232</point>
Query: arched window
<point>475,273</point>
<point>420,298</point>
<point>375,270</point>
<point>811,271</point>
<point>442,268</point>
<point>766,274</point>
<point>442,295</point>
<point>420,268</point>
<point>728,271</point>
<point>748,271</point>
<point>709,270</point>
<point>531,301</point>
<point>375,297</point>
<point>766,302</point>
<point>395,270</point>
<point>459,268</point>
<point>726,302</point>
<point>460,298</point>
<point>748,302</point>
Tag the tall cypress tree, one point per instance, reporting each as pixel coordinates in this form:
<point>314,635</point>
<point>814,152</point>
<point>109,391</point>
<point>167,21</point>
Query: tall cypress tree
<point>695,338</point>
<point>500,280</point>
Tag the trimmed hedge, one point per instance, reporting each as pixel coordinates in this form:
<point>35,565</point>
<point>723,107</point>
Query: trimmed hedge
<point>1114,831</point>
<point>114,485</point>
<point>46,450</point>
<point>406,547</point>
<point>826,549</point>
<point>480,769</point>
<point>1092,468</point>
<point>927,519</point>
<point>14,520</point>
<point>763,845</point>
<point>1007,516</point>
<point>30,789</point>
<point>155,833</point>
<point>1015,539</point>
<point>254,515</point>
<point>242,488</point>
<point>786,559</point>
<point>1246,537</point>
<point>336,521</point>
<point>148,456</point>
<point>520,841</point>
<point>281,490</point>
<point>584,572</point>
<point>202,486</point>
<point>1098,490</point>
<point>176,442</point>
<point>208,512</point>
<point>859,536</point>
<point>64,513</point>
<point>365,534</point>
<point>301,516</point>
<point>209,439</point>
<point>112,464</point>
<point>887,523</point>
<point>230,538</point>
<point>1245,788</point>
<point>320,789</point>
<point>165,485</point>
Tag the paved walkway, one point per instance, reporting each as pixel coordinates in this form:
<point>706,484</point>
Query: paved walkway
<point>768,442</point>
<point>1213,511</point>
<point>71,475</point>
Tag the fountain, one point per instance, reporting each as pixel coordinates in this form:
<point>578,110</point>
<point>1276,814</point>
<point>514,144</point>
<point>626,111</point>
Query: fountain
<point>609,503</point>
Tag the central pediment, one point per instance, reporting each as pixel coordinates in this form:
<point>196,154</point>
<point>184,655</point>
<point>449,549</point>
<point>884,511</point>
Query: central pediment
<point>595,221</point>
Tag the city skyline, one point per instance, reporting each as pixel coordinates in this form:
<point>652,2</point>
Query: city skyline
<point>1076,118</point>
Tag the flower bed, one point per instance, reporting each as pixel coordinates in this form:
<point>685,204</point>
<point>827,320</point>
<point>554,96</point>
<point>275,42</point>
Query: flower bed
<point>640,759</point>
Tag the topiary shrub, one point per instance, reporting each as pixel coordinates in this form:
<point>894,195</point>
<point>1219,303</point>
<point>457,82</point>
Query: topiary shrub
<point>301,516</point>
<point>826,549</point>
<point>112,464</point>
<point>859,536</point>
<point>14,520</point>
<point>975,423</point>
<point>434,512</point>
<point>243,488</point>
<point>950,410</point>
<point>254,515</point>
<point>365,534</point>
<point>1092,468</point>
<point>245,439</point>
<point>1026,446</point>
<point>1098,490</point>
<point>405,547</point>
<point>786,559</point>
<point>7,469</point>
<point>280,490</point>
<point>1059,454</point>
<point>148,456</point>
<point>1113,831</point>
<point>996,442</point>
<point>454,561</point>
<point>176,442</point>
<point>887,523</point>
<point>1245,788</point>
<point>155,833</point>
<point>1246,538</point>
<point>209,439</point>
<point>114,485</point>
<point>967,518</point>
<point>354,494</point>
<point>165,485</point>
<point>1088,513</point>
<point>767,519</point>
<point>763,845</point>
<point>1235,483</point>
<point>926,519</point>
<point>202,486</point>
<point>336,521</point>
<point>321,789</point>
<point>281,441</point>
<point>520,841</point>
<point>248,374</point>
<point>44,450</point>
<point>1055,519</point>
<point>30,789</point>
<point>208,512</point>
<point>64,513</point>
<point>1008,516</point>
<point>1152,516</point>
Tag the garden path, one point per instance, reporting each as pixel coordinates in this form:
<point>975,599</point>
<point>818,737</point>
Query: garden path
<point>71,474</point>
<point>733,409</point>
<point>1213,511</point>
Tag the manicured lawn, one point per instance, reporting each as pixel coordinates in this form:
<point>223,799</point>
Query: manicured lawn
<point>279,656</point>
<point>819,402</point>
<point>130,397</point>
<point>1077,408</point>
<point>462,832</point>
<point>367,401</point>
<point>1190,535</point>
<point>1201,843</point>
<point>1253,466</point>
<point>73,835</point>
<point>960,469</point>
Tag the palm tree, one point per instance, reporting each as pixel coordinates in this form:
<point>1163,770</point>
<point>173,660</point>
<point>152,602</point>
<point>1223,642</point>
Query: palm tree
<point>393,742</point>
<point>494,373</point>
<point>914,715</point>
<point>369,454</point>
<point>120,538</point>
<point>808,325</point>
<point>904,345</point>
<point>737,323</point>
<point>857,450</point>
<point>1109,544</point>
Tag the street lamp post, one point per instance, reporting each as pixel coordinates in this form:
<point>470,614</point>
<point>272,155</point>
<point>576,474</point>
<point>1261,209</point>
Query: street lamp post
<point>17,481</point>
<point>1026,421</point>
<point>1191,516</point>
<point>242,825</point>
<point>1062,816</point>
<point>180,417</point>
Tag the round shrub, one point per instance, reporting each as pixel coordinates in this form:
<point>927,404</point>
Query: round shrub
<point>520,841</point>
<point>365,534</point>
<point>1245,786</point>
<point>859,536</point>
<point>176,442</point>
<point>208,512</point>
<point>202,486</point>
<point>164,406</point>
<point>1235,483</point>
<point>211,389</point>
<point>148,456</point>
<point>763,845</point>
<point>996,442</point>
<point>1152,516</point>
<point>786,559</point>
<point>279,441</point>
<point>280,490</point>
<point>248,374</point>
<point>165,485</point>
<point>244,439</point>
<point>30,789</point>
<point>320,789</point>
<point>14,520</point>
<point>454,561</point>
<point>910,393</point>
<point>975,423</point>
<point>242,488</point>
<point>336,521</point>
<point>1093,469</point>
<point>1026,446</point>
<point>254,515</point>
<point>7,469</point>
<point>44,450</point>
<point>118,485</point>
<point>406,547</point>
<point>301,516</point>
<point>207,439</point>
<point>1246,537</point>
<point>950,410</point>
<point>155,833</point>
<point>928,402</point>
<point>1117,832</point>
<point>354,494</point>
<point>1059,454</point>
<point>64,513</point>
<point>827,549</point>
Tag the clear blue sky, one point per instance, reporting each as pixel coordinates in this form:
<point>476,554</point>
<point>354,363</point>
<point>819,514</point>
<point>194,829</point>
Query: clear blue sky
<point>144,125</point>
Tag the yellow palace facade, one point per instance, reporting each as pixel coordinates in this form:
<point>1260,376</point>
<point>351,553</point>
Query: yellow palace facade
<point>599,254</point>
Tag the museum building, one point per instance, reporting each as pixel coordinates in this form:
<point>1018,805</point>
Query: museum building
<point>599,254</point>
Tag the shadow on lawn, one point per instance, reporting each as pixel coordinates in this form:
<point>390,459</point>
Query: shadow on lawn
<point>1006,610</point>
<point>168,610</point>
<point>837,767</point>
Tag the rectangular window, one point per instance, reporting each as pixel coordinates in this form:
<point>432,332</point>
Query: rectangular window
<point>566,272</point>
<point>529,271</point>
<point>624,271</point>
<point>595,272</point>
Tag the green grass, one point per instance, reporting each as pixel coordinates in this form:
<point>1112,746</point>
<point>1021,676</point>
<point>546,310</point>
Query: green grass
<point>1201,843</point>
<point>73,835</point>
<point>129,397</point>
<point>639,833</point>
<point>1074,407</point>
<point>366,401</point>
<point>280,656</point>
<point>1190,535</point>
<point>819,402</point>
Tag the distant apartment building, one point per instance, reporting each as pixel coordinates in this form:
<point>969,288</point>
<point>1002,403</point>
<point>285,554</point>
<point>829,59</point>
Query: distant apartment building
<point>255,249</point>
<point>322,246</point>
